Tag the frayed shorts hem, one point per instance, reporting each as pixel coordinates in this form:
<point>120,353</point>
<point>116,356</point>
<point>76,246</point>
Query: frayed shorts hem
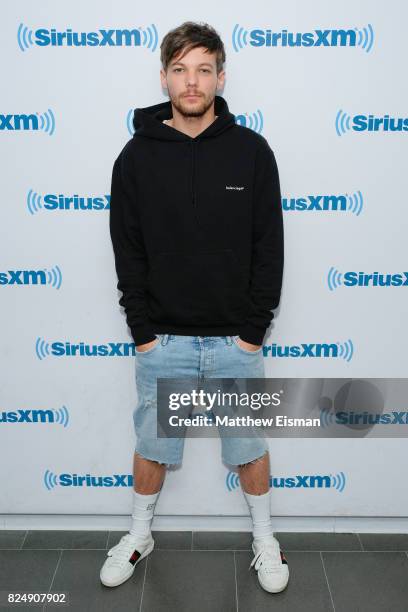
<point>243,462</point>
<point>166,463</point>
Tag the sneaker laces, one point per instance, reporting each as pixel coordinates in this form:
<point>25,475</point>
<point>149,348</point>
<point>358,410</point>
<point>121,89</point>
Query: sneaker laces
<point>268,556</point>
<point>120,553</point>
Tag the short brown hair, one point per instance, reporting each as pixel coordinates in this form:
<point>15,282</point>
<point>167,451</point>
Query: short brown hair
<point>187,36</point>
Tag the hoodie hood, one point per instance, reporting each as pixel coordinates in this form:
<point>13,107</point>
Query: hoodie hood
<point>148,122</point>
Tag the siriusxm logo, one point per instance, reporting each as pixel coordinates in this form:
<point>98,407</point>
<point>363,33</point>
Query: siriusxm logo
<point>45,37</point>
<point>52,480</point>
<point>51,277</point>
<point>45,349</point>
<point>354,37</point>
<point>59,416</point>
<point>342,417</point>
<point>44,122</point>
<point>253,121</point>
<point>335,350</point>
<point>362,279</point>
<point>344,203</point>
<point>52,201</point>
<point>329,481</point>
<point>369,123</point>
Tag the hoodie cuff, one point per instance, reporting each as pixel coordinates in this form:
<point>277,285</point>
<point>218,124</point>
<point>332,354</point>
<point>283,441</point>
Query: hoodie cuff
<point>142,335</point>
<point>252,334</point>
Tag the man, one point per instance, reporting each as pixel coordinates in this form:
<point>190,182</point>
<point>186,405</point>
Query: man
<point>197,231</point>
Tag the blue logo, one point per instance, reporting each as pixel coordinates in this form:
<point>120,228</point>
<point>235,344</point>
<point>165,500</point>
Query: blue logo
<point>345,203</point>
<point>354,37</point>
<point>44,122</point>
<point>45,349</point>
<point>52,201</point>
<point>335,350</point>
<point>253,121</point>
<point>51,277</point>
<point>342,417</point>
<point>336,279</point>
<point>52,480</point>
<point>329,481</point>
<point>45,37</point>
<point>369,123</point>
<point>58,416</point>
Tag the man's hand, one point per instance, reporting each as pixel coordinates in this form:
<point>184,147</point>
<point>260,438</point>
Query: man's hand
<point>247,346</point>
<point>144,347</point>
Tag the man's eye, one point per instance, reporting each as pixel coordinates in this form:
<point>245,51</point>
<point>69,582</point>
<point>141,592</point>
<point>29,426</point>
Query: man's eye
<point>204,69</point>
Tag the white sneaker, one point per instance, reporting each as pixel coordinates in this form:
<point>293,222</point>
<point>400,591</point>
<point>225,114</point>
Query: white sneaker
<point>271,564</point>
<point>123,558</point>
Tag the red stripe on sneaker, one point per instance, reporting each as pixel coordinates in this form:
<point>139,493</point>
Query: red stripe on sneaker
<point>283,558</point>
<point>135,556</point>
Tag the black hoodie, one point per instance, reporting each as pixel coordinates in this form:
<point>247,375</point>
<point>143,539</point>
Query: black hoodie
<point>196,227</point>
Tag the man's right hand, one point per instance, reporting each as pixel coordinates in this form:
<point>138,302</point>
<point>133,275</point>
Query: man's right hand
<point>144,347</point>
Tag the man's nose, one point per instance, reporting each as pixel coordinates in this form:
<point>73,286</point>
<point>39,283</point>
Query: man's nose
<point>191,78</point>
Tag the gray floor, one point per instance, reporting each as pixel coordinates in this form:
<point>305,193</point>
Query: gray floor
<point>197,571</point>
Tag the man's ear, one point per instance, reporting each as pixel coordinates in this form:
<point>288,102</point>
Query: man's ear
<point>221,80</point>
<point>163,78</point>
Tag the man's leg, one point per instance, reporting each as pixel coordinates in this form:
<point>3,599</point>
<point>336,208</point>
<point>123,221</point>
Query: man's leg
<point>251,456</point>
<point>148,477</point>
<point>254,477</point>
<point>152,455</point>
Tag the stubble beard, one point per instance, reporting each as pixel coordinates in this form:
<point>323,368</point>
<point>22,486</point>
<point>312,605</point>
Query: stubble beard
<point>196,109</point>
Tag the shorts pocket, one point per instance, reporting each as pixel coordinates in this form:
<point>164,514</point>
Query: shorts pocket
<point>240,348</point>
<point>200,288</point>
<point>151,349</point>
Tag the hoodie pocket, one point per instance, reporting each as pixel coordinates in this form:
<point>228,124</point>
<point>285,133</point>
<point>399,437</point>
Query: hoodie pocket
<point>202,288</point>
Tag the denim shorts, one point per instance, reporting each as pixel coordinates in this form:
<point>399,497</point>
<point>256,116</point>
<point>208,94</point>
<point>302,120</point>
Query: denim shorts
<point>176,356</point>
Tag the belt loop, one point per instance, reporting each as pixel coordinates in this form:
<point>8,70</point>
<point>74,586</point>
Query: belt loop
<point>165,339</point>
<point>228,340</point>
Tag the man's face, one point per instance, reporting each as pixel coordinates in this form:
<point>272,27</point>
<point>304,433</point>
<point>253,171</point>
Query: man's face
<point>194,74</point>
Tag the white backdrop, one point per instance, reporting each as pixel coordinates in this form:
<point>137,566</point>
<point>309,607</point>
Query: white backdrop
<point>81,98</point>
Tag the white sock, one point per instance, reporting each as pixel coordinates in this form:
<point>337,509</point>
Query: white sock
<point>142,515</point>
<point>259,506</point>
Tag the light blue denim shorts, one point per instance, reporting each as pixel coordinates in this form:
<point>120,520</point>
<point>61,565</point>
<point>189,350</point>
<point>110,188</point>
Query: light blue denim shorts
<point>194,357</point>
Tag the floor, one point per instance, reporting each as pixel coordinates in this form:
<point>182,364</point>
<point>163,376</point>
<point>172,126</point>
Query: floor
<point>209,571</point>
